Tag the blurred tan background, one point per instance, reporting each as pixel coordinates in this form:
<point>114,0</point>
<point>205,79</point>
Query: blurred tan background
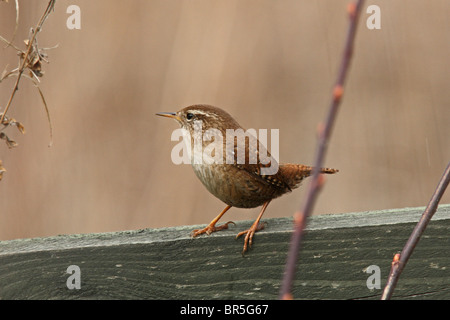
<point>269,63</point>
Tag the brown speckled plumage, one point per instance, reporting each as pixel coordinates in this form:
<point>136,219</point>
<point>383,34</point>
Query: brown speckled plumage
<point>237,184</point>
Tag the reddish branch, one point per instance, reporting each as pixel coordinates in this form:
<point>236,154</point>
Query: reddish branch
<point>300,217</point>
<point>400,260</point>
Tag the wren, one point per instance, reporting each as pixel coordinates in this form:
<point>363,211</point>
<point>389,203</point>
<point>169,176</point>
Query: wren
<point>237,169</point>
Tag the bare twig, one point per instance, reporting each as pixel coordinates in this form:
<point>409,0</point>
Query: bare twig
<point>9,43</point>
<point>31,60</point>
<point>26,60</point>
<point>2,169</point>
<point>400,260</point>
<point>48,115</point>
<point>324,134</point>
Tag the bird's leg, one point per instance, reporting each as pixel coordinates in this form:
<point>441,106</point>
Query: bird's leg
<point>256,226</point>
<point>212,226</point>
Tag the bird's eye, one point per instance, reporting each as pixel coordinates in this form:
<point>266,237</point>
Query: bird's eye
<point>189,116</point>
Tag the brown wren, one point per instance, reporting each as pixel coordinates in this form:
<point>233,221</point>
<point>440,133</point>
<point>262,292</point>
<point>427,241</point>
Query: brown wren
<point>237,170</point>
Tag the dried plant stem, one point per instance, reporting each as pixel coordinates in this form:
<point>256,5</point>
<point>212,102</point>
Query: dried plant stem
<point>24,63</point>
<point>400,260</point>
<point>324,134</point>
<point>9,43</point>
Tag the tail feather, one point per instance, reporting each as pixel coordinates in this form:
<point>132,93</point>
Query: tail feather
<point>295,173</point>
<point>328,170</point>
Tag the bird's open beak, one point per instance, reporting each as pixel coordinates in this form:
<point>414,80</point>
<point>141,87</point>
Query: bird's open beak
<point>172,115</point>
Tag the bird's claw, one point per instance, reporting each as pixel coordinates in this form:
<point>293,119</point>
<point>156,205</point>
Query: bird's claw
<point>249,233</point>
<point>210,229</point>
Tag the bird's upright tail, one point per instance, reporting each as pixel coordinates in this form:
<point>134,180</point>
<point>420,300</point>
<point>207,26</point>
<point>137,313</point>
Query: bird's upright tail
<point>327,170</point>
<point>295,173</point>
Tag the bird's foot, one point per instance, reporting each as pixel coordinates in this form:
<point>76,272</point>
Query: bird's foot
<point>249,233</point>
<point>210,229</point>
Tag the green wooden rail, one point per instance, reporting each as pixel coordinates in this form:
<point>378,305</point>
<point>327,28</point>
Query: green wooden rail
<point>167,264</point>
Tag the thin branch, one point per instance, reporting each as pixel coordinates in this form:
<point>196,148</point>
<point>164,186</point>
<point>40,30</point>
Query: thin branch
<point>25,61</point>
<point>9,43</point>
<point>324,134</point>
<point>48,115</point>
<point>400,260</point>
<point>2,169</point>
